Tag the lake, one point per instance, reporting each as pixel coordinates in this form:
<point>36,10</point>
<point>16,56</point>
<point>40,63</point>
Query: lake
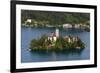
<point>27,34</point>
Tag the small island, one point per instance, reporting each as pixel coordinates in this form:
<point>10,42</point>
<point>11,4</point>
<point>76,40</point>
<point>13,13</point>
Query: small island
<point>55,42</point>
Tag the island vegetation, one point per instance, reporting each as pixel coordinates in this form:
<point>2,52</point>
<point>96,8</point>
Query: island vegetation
<point>59,44</point>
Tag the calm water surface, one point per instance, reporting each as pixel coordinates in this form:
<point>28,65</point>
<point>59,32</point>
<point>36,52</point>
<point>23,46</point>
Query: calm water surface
<point>27,34</point>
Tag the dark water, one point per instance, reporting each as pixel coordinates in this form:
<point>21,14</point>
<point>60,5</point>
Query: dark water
<point>28,34</point>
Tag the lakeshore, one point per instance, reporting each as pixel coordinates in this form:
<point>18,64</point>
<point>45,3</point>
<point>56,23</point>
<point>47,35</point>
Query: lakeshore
<point>65,26</point>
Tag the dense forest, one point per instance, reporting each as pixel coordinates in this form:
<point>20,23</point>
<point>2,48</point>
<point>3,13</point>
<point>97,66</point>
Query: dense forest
<point>54,18</point>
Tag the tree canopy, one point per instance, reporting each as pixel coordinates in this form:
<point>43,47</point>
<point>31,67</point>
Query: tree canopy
<point>55,18</point>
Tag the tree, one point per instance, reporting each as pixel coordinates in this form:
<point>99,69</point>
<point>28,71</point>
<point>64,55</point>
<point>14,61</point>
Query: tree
<point>54,18</point>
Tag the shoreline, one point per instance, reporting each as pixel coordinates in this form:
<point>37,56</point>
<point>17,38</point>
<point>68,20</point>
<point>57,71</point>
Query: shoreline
<point>86,28</point>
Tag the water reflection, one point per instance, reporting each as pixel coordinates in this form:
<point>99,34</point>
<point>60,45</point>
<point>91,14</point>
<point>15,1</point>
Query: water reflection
<point>55,55</point>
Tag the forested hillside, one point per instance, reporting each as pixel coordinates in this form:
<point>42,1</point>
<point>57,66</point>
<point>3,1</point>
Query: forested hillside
<point>54,18</point>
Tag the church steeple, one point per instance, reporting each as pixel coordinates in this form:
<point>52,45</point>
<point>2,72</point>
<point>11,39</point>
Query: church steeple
<point>57,32</point>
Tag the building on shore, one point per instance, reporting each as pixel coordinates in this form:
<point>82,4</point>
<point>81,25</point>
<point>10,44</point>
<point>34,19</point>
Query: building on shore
<point>28,20</point>
<point>67,26</point>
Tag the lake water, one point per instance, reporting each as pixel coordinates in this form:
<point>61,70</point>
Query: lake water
<point>27,34</point>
